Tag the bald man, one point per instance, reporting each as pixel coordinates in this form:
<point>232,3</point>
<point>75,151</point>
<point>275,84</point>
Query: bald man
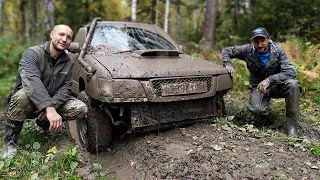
<point>43,89</point>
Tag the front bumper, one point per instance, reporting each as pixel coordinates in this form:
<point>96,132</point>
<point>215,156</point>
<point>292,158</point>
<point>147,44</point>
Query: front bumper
<point>157,114</point>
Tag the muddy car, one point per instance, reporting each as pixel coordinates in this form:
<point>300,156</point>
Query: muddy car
<point>134,76</point>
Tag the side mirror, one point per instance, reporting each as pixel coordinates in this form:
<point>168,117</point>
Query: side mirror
<point>74,47</point>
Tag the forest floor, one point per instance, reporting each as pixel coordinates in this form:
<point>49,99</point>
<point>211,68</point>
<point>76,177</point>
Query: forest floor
<point>223,148</point>
<point>220,148</point>
<point>211,151</point>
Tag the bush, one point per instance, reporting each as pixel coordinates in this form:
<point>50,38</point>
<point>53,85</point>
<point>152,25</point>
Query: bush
<point>11,51</point>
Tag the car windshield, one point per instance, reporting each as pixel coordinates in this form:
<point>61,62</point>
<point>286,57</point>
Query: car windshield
<point>129,38</point>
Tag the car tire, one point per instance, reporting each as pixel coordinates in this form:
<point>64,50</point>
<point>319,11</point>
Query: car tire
<point>95,131</point>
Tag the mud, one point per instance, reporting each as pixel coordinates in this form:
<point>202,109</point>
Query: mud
<point>102,50</point>
<point>211,151</point>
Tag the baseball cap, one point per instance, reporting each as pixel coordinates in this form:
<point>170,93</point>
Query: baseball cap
<point>260,31</point>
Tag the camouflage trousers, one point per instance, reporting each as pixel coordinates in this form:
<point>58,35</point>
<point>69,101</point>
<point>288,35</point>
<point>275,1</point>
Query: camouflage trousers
<point>20,108</point>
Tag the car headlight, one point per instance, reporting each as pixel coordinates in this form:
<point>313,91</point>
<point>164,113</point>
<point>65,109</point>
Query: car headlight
<point>105,89</point>
<point>121,90</point>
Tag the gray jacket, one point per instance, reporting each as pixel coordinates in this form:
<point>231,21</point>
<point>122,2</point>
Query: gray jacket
<point>45,85</point>
<point>278,69</point>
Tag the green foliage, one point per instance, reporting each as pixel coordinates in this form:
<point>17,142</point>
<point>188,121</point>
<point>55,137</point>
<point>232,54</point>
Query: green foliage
<point>308,68</point>
<point>290,18</point>
<point>6,86</point>
<point>77,13</point>
<point>11,51</point>
<point>224,120</point>
<point>39,158</point>
<point>241,79</point>
<point>315,151</point>
<point>35,161</point>
<point>248,128</point>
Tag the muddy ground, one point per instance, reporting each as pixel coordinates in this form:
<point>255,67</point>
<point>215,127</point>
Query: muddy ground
<point>215,149</point>
<point>209,150</point>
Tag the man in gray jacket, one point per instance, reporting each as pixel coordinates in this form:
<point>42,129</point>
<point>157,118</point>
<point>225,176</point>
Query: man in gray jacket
<point>43,89</point>
<point>272,75</point>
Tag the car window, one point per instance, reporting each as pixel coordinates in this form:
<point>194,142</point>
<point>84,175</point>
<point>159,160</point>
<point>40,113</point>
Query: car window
<point>129,38</point>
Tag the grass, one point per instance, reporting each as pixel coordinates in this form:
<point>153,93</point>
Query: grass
<point>6,86</point>
<point>40,156</point>
<point>236,104</point>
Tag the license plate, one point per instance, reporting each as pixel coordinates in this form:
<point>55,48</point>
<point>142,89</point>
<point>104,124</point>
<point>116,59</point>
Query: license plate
<point>183,88</point>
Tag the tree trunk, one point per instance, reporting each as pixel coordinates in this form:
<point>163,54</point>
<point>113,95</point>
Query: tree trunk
<point>153,11</point>
<point>178,21</point>
<point>134,10</point>
<point>33,19</point>
<point>23,18</point>
<point>1,2</point>
<point>87,11</point>
<point>236,13</point>
<point>157,12</point>
<point>49,20</point>
<point>209,23</point>
<point>166,18</point>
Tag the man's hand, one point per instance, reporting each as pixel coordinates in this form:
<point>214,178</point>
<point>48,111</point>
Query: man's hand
<point>262,86</point>
<point>54,118</point>
<point>231,70</point>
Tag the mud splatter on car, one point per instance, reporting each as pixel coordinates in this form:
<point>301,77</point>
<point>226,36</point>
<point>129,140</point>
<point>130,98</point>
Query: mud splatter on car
<point>134,76</point>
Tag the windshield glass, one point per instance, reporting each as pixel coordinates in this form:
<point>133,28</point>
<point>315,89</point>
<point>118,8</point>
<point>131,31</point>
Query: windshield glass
<point>129,38</point>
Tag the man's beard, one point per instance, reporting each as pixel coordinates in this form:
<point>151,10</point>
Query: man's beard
<point>262,50</point>
<point>56,47</point>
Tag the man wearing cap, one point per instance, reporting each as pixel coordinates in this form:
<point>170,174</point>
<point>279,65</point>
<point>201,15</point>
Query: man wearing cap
<point>272,75</point>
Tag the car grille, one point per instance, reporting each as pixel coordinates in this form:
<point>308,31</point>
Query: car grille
<point>157,83</point>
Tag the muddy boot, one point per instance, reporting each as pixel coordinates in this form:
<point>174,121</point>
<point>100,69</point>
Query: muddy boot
<point>292,126</point>
<point>12,132</point>
<point>292,89</point>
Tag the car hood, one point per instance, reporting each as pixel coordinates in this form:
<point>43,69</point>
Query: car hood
<point>134,65</point>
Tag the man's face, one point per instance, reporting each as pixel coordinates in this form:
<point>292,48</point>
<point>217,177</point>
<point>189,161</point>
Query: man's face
<point>260,44</point>
<point>61,37</point>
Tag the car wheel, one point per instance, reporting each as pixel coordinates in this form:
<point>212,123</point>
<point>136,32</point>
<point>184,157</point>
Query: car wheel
<point>95,131</point>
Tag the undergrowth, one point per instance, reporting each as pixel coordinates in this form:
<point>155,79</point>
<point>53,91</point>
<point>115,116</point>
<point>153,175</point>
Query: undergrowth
<point>40,158</point>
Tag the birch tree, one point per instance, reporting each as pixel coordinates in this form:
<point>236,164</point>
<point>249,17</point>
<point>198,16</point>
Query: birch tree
<point>166,18</point>
<point>178,19</point>
<point>157,12</point>
<point>134,10</point>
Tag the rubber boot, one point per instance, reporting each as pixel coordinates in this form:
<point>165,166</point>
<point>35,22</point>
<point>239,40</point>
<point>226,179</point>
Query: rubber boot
<point>292,106</point>
<point>291,126</point>
<point>12,132</point>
